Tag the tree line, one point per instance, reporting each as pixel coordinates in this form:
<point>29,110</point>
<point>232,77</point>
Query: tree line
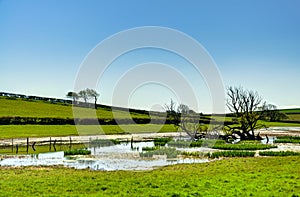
<point>85,94</point>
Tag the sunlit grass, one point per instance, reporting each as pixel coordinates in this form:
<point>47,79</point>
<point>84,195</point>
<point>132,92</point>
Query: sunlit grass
<point>23,131</point>
<point>229,177</point>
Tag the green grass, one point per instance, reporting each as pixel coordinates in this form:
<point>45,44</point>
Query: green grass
<point>39,149</point>
<point>288,139</point>
<point>278,153</point>
<point>161,141</point>
<point>293,117</point>
<point>22,108</point>
<point>231,154</point>
<point>287,111</point>
<point>169,152</point>
<point>229,177</point>
<point>248,145</point>
<point>77,152</point>
<point>22,131</point>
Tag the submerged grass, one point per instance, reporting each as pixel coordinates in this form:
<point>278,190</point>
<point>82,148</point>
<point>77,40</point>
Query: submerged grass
<point>77,152</point>
<point>231,154</point>
<point>229,177</point>
<point>288,139</point>
<point>169,152</point>
<point>247,145</point>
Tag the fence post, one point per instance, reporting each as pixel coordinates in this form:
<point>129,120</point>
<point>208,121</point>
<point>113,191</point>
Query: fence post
<point>70,143</point>
<point>12,145</point>
<point>17,149</point>
<point>50,145</point>
<point>27,146</point>
<point>54,145</point>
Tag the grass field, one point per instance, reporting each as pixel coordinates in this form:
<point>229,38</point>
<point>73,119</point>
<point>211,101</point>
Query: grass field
<point>19,107</point>
<point>270,176</point>
<point>287,111</point>
<point>19,131</point>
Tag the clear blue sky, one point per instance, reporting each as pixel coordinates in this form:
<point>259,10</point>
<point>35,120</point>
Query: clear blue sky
<point>255,44</point>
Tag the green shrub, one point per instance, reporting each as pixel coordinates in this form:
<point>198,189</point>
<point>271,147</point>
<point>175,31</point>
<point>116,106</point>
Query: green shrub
<point>77,152</point>
<point>231,154</point>
<point>278,153</point>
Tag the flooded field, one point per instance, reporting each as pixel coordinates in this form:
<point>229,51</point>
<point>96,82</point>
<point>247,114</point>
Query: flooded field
<point>124,155</point>
<point>117,157</point>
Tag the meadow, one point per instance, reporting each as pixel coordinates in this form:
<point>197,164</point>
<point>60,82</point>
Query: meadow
<point>272,176</point>
<point>22,131</point>
<point>32,108</point>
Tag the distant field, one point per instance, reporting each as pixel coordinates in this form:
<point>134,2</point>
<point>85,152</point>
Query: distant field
<point>19,107</point>
<point>263,176</point>
<point>20,131</point>
<point>294,117</point>
<point>287,111</point>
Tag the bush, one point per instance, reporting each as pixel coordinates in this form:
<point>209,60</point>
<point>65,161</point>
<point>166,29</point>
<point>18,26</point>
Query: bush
<point>278,153</point>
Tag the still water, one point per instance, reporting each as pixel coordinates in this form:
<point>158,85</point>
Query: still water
<point>124,156</point>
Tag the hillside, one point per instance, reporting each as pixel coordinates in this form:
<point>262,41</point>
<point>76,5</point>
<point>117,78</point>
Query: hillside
<point>33,108</point>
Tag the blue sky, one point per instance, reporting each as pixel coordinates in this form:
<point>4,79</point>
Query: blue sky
<point>255,44</point>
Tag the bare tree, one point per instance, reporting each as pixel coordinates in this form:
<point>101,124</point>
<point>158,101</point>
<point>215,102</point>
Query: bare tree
<point>93,94</point>
<point>248,109</point>
<point>184,119</point>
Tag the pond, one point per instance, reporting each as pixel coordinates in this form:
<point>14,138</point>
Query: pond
<point>123,156</point>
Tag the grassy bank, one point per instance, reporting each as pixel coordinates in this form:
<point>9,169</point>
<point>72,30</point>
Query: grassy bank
<point>19,131</point>
<point>231,177</point>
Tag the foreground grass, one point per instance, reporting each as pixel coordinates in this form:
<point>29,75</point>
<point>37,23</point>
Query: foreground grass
<point>20,131</point>
<point>278,176</point>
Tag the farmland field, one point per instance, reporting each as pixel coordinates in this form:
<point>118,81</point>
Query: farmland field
<point>262,176</point>
<point>22,108</point>
<point>19,131</point>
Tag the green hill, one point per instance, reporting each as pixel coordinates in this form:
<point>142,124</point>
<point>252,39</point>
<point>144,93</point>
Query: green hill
<point>33,108</point>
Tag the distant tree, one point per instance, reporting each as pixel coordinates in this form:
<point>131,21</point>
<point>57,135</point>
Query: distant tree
<point>93,94</point>
<point>273,114</point>
<point>73,95</point>
<point>184,119</point>
<point>248,109</point>
<point>84,95</point>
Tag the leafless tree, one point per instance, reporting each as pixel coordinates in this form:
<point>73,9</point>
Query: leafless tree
<point>248,109</point>
<point>93,94</point>
<point>184,119</point>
